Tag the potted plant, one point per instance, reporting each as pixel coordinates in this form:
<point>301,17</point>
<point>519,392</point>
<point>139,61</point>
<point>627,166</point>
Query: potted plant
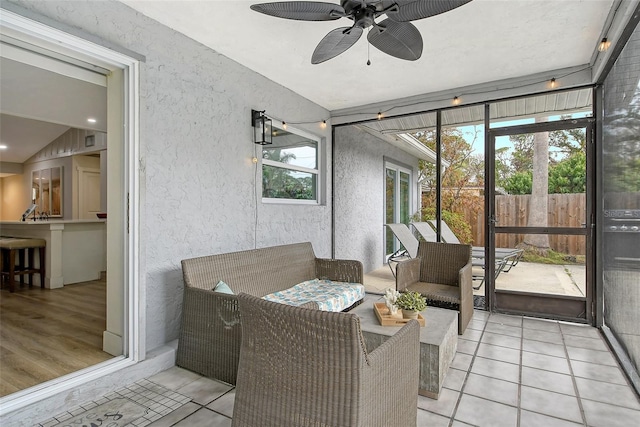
<point>411,304</point>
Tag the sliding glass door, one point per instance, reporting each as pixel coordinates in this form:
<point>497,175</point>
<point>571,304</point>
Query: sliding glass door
<point>397,201</point>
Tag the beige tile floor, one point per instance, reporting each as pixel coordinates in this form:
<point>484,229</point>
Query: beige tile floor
<point>508,371</point>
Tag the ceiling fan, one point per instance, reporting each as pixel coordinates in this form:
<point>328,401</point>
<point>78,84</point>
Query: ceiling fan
<point>395,35</point>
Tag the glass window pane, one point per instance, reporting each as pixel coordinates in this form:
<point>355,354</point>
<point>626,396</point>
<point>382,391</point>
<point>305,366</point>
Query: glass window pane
<point>45,187</point>
<point>35,189</point>
<point>281,183</point>
<point>390,208</point>
<point>292,149</point>
<point>462,173</point>
<point>405,188</point>
<point>56,191</point>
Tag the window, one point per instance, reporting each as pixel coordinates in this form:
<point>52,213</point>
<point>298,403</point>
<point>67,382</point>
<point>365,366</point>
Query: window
<point>290,167</point>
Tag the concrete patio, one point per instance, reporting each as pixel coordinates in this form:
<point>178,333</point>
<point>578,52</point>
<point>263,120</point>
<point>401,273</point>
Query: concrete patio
<point>525,276</point>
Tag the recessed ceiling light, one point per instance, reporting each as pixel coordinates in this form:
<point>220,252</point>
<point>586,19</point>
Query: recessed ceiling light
<point>3,147</point>
<point>91,120</point>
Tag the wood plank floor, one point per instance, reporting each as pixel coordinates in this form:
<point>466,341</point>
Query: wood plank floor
<point>48,333</point>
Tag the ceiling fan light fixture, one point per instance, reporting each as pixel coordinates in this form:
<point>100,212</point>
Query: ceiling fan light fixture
<point>395,35</point>
<point>604,45</point>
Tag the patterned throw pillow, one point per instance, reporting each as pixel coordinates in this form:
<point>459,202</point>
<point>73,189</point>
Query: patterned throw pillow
<point>223,288</point>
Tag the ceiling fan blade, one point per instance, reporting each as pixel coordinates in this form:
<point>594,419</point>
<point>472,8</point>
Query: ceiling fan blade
<point>301,10</point>
<point>399,39</point>
<point>412,10</point>
<point>334,43</point>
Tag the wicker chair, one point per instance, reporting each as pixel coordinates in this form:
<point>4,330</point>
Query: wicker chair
<point>442,274</point>
<point>304,367</point>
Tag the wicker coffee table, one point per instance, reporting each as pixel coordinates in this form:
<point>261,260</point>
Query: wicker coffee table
<point>438,341</point>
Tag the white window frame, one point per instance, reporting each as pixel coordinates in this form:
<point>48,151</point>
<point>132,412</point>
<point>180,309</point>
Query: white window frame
<point>38,34</point>
<point>317,172</point>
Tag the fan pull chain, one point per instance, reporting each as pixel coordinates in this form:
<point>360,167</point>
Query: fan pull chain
<point>368,47</point>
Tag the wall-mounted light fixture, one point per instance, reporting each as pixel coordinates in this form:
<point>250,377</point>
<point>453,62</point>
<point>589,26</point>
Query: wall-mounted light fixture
<point>603,45</point>
<point>261,128</point>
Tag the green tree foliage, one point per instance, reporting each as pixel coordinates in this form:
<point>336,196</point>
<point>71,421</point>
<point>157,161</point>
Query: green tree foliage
<point>566,176</point>
<point>455,221</point>
<point>281,183</point>
<point>567,163</point>
<point>569,175</point>
<point>464,170</point>
<point>502,168</point>
<point>519,183</point>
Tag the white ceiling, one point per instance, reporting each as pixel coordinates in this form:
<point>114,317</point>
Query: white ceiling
<point>479,42</point>
<point>482,41</point>
<point>38,104</point>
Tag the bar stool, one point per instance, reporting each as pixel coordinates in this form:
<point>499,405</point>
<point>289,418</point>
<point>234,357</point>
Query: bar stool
<point>25,248</point>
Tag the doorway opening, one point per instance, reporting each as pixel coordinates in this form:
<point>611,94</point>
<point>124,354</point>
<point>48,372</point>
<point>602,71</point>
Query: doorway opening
<point>540,228</point>
<point>58,52</point>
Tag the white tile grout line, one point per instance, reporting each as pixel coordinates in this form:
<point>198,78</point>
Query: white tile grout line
<point>466,377</point>
<point>519,402</point>
<point>145,393</point>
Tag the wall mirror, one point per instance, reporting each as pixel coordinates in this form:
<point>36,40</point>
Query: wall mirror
<point>46,191</point>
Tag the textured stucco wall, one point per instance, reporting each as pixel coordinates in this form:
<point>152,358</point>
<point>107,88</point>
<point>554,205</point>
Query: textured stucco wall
<point>196,146</point>
<point>359,193</point>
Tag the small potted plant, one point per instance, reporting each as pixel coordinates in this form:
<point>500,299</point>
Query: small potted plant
<point>411,304</point>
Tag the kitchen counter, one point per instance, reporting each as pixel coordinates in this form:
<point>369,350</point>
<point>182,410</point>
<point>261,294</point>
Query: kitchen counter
<point>51,221</point>
<point>76,249</point>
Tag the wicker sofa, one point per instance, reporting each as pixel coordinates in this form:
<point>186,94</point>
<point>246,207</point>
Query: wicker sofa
<point>210,330</point>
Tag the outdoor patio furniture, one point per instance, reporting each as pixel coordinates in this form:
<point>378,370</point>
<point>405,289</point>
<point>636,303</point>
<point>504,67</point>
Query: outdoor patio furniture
<point>210,330</point>
<point>505,258</point>
<point>442,274</point>
<point>510,256</point>
<point>408,242</point>
<point>438,341</point>
<point>426,231</point>
<point>303,367</point>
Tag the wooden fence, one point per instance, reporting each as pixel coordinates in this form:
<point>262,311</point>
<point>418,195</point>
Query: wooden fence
<point>564,210</point>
